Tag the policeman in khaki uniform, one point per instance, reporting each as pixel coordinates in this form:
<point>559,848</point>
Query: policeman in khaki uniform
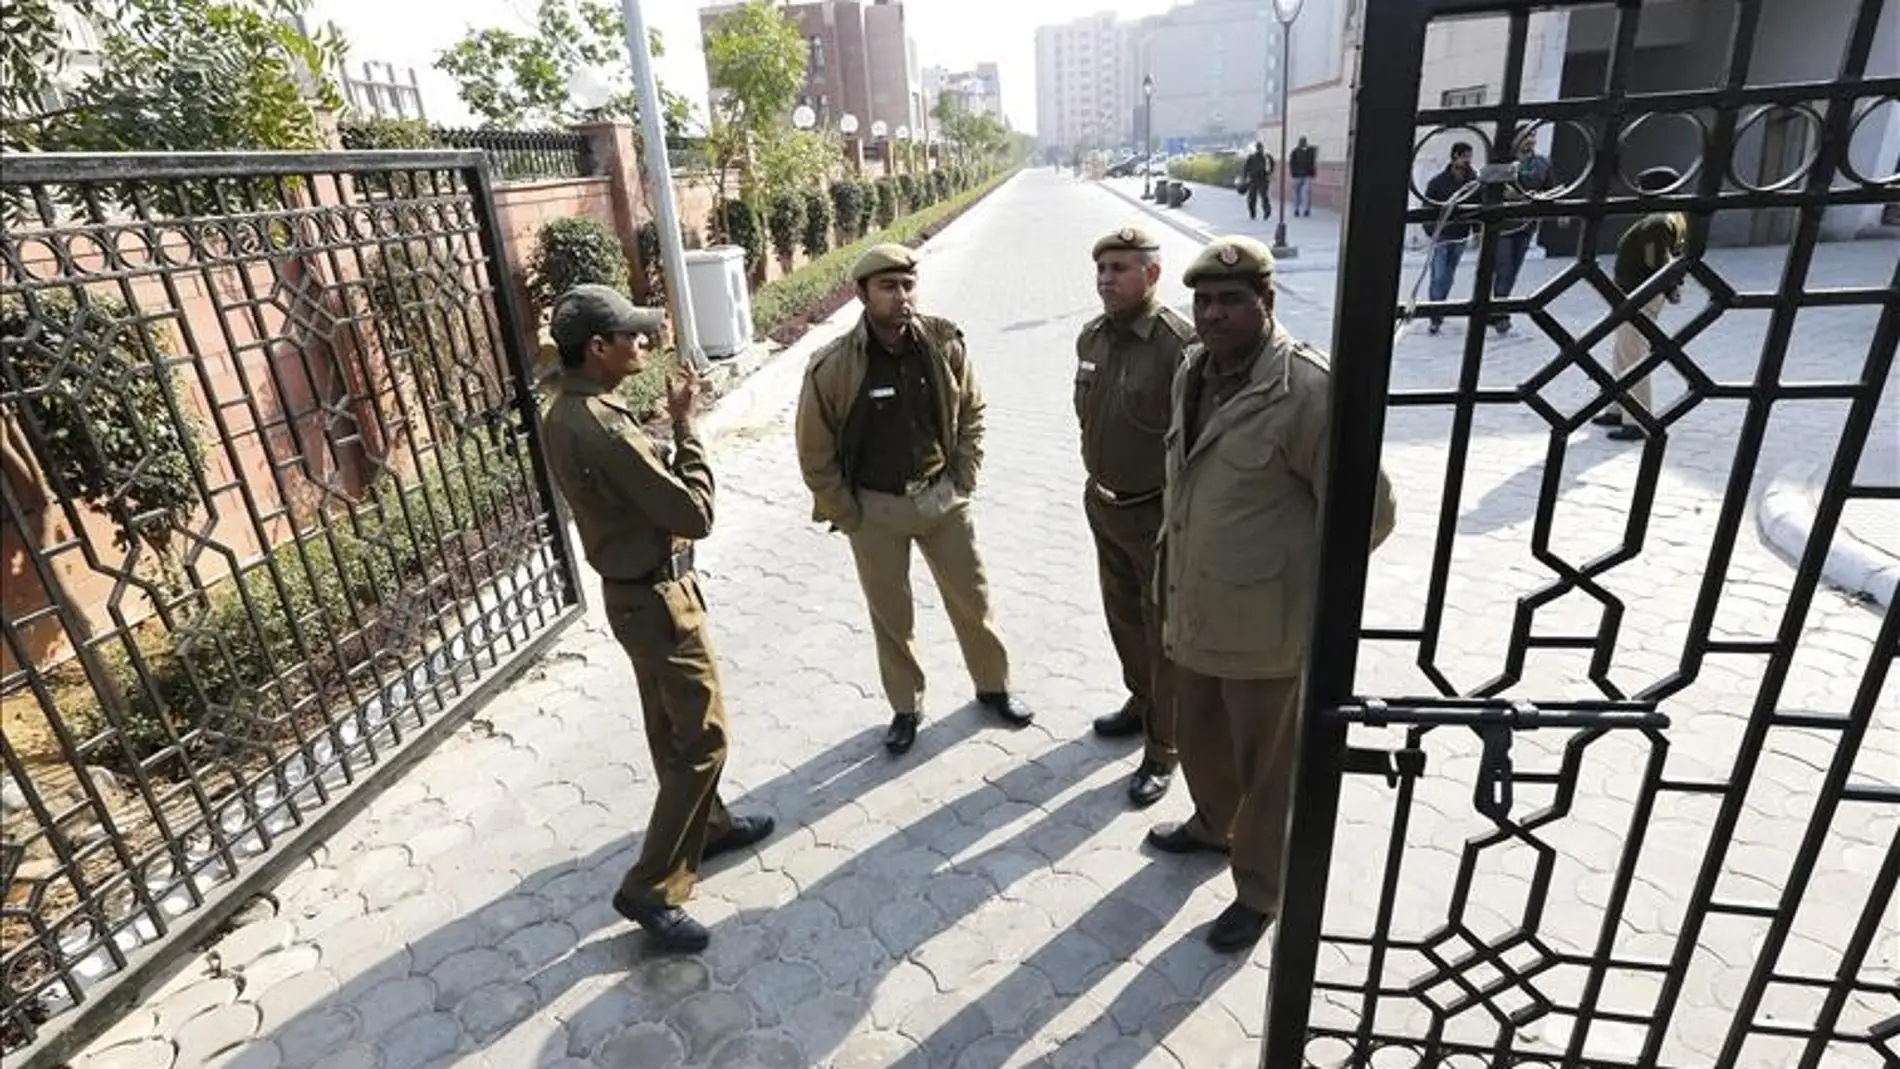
<point>1246,472</point>
<point>637,516</point>
<point>890,441</point>
<point>1125,364</point>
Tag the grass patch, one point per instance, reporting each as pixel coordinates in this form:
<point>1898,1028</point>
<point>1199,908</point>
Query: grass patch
<point>784,309</point>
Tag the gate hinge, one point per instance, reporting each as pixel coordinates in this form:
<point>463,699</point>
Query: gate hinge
<point>1394,765</point>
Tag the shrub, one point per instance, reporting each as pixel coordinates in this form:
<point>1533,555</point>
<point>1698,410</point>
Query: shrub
<point>103,394</point>
<point>387,134</point>
<point>409,288</point>
<point>909,195</point>
<point>847,196</point>
<point>785,218</point>
<point>887,204</point>
<point>652,263</point>
<point>735,223</point>
<point>572,252</point>
<point>817,222</point>
<point>940,184</point>
<point>1207,169</point>
<point>867,210</point>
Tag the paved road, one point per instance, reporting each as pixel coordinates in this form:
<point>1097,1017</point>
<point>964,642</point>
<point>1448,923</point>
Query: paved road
<point>985,902</point>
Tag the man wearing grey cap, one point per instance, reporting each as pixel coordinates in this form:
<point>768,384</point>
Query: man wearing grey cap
<point>1246,478</point>
<point>638,516</point>
<point>890,441</point>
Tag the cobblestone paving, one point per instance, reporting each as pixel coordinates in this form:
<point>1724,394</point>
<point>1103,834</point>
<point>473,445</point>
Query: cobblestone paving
<point>985,902</point>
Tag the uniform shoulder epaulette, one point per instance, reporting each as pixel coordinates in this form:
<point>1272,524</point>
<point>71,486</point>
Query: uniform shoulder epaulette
<point>1176,323</point>
<point>938,329</point>
<point>1313,355</point>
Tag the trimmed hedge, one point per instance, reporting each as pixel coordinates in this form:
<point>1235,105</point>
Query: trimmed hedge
<point>1210,170</point>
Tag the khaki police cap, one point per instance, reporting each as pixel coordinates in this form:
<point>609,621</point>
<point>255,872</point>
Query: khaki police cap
<point>879,259</point>
<point>1128,238</point>
<point>591,311</point>
<point>1231,258</point>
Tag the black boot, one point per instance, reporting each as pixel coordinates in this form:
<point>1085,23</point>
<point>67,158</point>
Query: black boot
<point>1121,723</point>
<point>1150,783</point>
<point>744,832</point>
<point>902,734</point>
<point>1011,709</point>
<point>668,927</point>
<point>1237,928</point>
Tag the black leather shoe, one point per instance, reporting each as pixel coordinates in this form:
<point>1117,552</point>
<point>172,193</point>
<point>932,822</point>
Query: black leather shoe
<point>1177,839</point>
<point>1627,432</point>
<point>1119,724</point>
<point>902,734</point>
<point>1150,783</point>
<point>1237,928</point>
<point>1012,710</point>
<point>668,927</point>
<point>1608,419</point>
<point>744,832</point>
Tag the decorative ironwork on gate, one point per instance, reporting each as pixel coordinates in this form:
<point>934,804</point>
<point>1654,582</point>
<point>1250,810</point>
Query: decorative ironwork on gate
<point>274,516</point>
<point>1641,812</point>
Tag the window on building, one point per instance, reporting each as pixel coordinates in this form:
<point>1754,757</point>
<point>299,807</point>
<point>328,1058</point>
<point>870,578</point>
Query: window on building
<point>1469,97</point>
<point>817,45</point>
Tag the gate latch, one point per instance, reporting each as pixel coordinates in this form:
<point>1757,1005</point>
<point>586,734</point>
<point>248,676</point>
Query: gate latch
<point>1492,796</point>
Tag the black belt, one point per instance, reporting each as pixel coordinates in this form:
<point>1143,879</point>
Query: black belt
<point>674,568</point>
<point>1119,499</point>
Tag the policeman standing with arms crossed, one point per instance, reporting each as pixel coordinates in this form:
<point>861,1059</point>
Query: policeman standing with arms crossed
<point>890,441</point>
<point>1246,476</point>
<point>638,516</point>
<point>1125,364</point>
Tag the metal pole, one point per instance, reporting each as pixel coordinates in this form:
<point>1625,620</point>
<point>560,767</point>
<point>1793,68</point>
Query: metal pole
<point>1281,250</point>
<point>660,188</point>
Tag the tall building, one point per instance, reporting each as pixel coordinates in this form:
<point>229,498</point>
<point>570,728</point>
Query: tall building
<point>978,91</point>
<point>1085,88</point>
<point>860,60</point>
<point>1215,65</point>
<point>383,92</point>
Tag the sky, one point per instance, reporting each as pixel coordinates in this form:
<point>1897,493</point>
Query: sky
<point>952,33</point>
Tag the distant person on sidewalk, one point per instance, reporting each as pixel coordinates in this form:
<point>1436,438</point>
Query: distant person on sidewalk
<point>1246,477</point>
<point>1532,177</point>
<point>890,442</point>
<point>1254,175</point>
<point>1448,241</point>
<point>1125,364</point>
<point>1642,251</point>
<point>638,515</point>
<point>1302,166</point>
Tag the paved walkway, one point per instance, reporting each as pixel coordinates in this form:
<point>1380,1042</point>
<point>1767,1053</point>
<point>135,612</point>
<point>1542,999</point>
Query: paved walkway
<point>985,901</point>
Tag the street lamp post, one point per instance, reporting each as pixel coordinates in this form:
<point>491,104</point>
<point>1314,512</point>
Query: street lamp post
<point>1285,11</point>
<point>1147,135</point>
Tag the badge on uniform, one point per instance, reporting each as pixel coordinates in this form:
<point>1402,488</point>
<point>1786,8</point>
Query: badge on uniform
<point>882,393</point>
<point>1087,365</point>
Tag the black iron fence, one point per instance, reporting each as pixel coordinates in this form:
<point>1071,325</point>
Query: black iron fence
<point>274,515</point>
<point>525,155</point>
<point>1633,814</point>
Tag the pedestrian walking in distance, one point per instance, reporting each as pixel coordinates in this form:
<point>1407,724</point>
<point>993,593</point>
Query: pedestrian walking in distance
<point>1643,250</point>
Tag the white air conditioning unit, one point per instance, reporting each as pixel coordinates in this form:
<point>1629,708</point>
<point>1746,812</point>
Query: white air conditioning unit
<point>722,306</point>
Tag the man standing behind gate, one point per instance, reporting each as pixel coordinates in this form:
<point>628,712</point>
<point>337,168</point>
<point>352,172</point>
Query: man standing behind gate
<point>1125,364</point>
<point>890,440</point>
<point>1246,476</point>
<point>637,517</point>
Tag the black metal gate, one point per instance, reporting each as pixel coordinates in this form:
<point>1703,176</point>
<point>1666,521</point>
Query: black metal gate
<point>275,520</point>
<point>1640,809</point>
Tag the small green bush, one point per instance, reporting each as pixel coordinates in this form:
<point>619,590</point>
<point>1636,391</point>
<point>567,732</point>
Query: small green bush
<point>867,206</point>
<point>910,197</point>
<point>887,202</point>
<point>387,134</point>
<point>1207,169</point>
<point>571,252</point>
<point>940,184</point>
<point>653,262</point>
<point>847,197</point>
<point>735,223</point>
<point>785,218</point>
<point>817,222</point>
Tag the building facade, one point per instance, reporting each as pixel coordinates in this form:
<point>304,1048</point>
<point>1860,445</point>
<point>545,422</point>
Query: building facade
<point>1216,70</point>
<point>381,91</point>
<point>1086,88</point>
<point>859,61</point>
<point>978,91</point>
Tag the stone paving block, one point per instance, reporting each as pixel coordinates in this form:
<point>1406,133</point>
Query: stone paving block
<point>313,1034</point>
<point>189,1002</point>
<point>641,1045</point>
<point>262,1054</point>
<point>420,1041</point>
<point>150,1052</point>
<point>215,1032</point>
<point>391,1004</point>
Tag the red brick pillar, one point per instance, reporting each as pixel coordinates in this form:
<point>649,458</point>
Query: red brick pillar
<point>616,156</point>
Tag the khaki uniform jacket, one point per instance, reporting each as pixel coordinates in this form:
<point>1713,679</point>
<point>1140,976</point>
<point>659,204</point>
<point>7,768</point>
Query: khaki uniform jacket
<point>1123,380</point>
<point>824,429</point>
<point>630,507</point>
<point>1240,535</point>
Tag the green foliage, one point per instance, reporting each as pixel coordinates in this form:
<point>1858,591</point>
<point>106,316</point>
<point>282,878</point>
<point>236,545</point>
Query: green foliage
<point>1208,169</point>
<point>755,63</point>
<point>808,288</point>
<point>518,81</point>
<point>379,133</point>
<point>818,220</point>
<point>908,194</point>
<point>788,159</point>
<point>174,75</point>
<point>940,184</point>
<point>785,219</point>
<point>419,310</point>
<point>113,431</point>
<point>887,201</point>
<point>847,197</point>
<point>980,135</point>
<point>733,222</point>
<point>574,251</point>
<point>652,262</point>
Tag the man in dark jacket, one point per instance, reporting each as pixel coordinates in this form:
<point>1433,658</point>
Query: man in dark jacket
<point>1448,241</point>
<point>1533,177</point>
<point>1253,182</point>
<point>1303,164</point>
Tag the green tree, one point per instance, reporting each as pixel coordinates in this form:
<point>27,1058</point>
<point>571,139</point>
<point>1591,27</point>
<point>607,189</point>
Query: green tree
<point>981,136</point>
<point>175,75</point>
<point>755,62</point>
<point>520,81</point>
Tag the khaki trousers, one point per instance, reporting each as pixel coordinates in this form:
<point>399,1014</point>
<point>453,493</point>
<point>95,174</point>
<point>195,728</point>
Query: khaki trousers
<point>1632,348</point>
<point>663,629</point>
<point>1237,739</point>
<point>937,521</point>
<point>1125,559</point>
